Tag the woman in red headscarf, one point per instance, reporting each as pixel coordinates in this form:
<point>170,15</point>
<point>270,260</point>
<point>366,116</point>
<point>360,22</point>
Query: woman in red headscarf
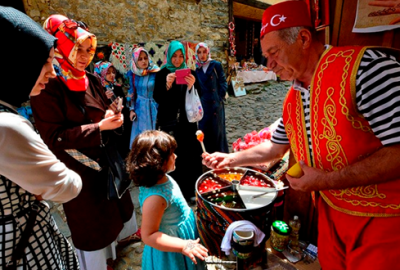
<point>72,114</point>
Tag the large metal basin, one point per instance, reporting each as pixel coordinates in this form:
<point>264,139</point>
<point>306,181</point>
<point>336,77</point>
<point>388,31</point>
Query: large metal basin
<point>213,218</point>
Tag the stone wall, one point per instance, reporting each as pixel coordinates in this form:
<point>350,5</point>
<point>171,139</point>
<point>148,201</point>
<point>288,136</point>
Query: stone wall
<point>132,21</point>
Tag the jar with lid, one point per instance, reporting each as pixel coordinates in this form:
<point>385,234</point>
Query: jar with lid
<point>279,235</point>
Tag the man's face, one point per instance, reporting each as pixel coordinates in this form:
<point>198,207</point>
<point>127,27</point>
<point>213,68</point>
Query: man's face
<point>284,59</point>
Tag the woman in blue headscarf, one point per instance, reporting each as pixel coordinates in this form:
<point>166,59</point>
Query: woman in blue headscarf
<point>172,118</point>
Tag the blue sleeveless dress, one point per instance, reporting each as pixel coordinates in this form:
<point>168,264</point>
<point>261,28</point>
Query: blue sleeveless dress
<point>178,220</point>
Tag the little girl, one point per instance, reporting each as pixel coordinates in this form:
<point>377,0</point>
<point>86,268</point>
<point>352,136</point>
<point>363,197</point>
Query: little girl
<point>168,223</point>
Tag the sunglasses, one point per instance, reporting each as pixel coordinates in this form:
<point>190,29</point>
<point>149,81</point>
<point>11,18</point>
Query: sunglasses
<point>72,24</point>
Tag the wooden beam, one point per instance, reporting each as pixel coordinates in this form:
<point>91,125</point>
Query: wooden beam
<point>253,3</point>
<point>337,22</point>
<point>247,18</point>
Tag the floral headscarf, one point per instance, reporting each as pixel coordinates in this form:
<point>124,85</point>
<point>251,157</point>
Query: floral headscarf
<point>200,63</point>
<point>101,69</point>
<point>70,35</point>
<point>138,71</point>
<point>172,48</point>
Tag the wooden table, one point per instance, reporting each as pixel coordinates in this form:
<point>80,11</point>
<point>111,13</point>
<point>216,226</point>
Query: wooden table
<point>253,76</point>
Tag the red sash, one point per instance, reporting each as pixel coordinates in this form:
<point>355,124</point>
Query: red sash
<point>340,135</point>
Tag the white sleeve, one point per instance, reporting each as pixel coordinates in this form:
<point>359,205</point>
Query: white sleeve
<point>27,161</point>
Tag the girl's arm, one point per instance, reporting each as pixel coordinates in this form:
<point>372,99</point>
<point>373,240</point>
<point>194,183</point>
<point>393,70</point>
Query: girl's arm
<point>152,212</point>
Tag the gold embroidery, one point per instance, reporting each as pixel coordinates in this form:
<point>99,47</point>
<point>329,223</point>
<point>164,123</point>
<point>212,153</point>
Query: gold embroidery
<point>332,157</point>
<point>364,203</point>
<point>336,155</point>
<point>289,130</point>
<point>366,192</point>
<point>317,152</point>
<point>299,113</point>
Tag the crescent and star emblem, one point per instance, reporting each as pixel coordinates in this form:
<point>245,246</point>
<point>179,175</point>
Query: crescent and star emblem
<point>281,19</point>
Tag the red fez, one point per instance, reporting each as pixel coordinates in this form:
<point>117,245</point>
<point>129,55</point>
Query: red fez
<point>284,15</point>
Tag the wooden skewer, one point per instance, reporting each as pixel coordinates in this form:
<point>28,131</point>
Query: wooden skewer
<point>202,146</point>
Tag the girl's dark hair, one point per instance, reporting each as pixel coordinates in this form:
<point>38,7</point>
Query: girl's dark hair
<point>148,157</point>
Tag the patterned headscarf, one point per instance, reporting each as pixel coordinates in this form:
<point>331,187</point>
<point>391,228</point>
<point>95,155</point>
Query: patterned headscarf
<point>70,35</point>
<point>172,48</point>
<point>200,63</point>
<point>138,71</point>
<point>101,69</point>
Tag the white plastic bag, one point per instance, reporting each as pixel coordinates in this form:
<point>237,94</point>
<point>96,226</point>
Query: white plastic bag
<point>194,110</point>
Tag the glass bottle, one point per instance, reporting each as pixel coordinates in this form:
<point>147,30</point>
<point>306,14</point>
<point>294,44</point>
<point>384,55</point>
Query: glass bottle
<point>294,225</point>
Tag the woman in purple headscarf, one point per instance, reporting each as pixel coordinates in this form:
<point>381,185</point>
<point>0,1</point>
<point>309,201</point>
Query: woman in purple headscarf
<point>143,108</point>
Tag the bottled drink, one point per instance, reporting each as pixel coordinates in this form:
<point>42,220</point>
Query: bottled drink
<point>294,233</point>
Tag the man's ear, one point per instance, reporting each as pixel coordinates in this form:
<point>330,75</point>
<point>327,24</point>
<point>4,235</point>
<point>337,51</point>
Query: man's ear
<point>305,37</point>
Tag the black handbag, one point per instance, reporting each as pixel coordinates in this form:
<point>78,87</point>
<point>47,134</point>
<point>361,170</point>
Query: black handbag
<point>118,181</point>
<point>19,250</point>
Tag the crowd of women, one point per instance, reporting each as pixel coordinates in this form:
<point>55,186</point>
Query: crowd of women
<point>67,162</point>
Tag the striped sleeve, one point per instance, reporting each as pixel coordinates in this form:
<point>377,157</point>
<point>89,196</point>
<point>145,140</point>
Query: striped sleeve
<point>279,136</point>
<point>378,95</point>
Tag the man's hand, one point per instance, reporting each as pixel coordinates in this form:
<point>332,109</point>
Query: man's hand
<point>312,180</point>
<point>218,160</point>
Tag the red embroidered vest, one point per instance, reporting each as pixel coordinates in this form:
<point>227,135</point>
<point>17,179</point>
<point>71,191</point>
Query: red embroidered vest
<point>340,135</point>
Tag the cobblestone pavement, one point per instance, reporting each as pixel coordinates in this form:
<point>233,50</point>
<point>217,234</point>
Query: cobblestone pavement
<point>258,109</point>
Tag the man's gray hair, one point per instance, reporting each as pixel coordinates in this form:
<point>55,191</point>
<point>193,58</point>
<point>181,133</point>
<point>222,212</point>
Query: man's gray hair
<point>289,35</point>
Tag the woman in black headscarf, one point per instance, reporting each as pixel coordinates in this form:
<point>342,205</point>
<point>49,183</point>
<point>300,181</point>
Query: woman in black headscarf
<point>29,171</point>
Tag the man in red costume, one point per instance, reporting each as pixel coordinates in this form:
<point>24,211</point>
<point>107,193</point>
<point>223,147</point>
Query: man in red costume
<point>341,121</point>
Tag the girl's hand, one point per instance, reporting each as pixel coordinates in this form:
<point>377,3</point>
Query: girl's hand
<point>111,122</point>
<point>190,79</point>
<point>170,80</point>
<point>109,94</point>
<point>132,115</point>
<point>193,249</point>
